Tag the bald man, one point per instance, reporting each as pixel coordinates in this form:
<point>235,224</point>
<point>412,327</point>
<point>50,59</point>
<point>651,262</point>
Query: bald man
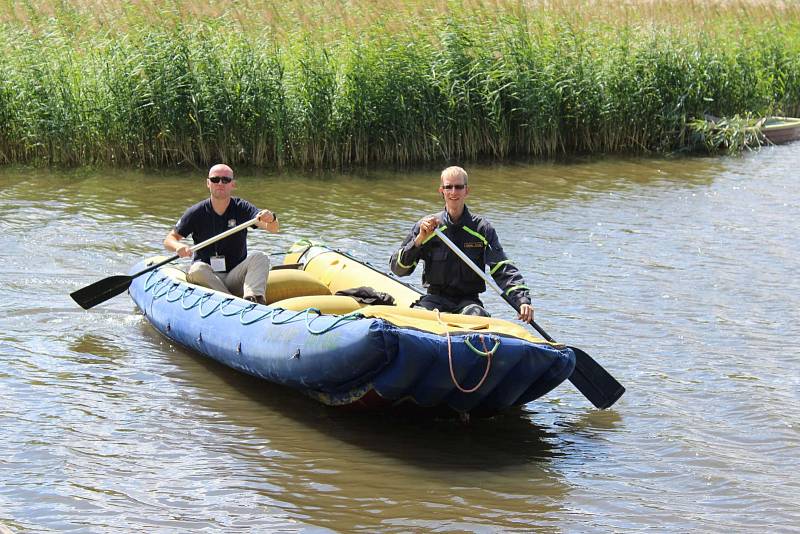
<point>226,265</point>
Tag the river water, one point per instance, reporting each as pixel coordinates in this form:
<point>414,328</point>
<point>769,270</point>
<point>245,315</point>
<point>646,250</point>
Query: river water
<point>680,276</point>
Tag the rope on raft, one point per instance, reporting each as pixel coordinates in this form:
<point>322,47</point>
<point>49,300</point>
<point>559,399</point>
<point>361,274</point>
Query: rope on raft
<point>486,352</point>
<point>166,287</point>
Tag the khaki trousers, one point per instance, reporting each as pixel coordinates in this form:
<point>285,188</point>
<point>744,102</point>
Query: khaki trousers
<point>247,279</point>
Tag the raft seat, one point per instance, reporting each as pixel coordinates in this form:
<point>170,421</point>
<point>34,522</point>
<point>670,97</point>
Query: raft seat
<point>284,284</point>
<point>327,304</point>
<point>289,288</point>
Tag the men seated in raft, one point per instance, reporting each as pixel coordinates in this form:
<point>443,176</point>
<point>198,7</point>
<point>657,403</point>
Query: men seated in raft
<point>225,265</point>
<point>452,286</point>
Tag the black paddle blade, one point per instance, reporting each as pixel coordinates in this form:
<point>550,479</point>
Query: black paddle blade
<point>101,291</point>
<point>596,384</point>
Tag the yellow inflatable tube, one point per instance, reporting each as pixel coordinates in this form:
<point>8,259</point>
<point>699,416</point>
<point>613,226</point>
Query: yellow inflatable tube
<point>338,272</point>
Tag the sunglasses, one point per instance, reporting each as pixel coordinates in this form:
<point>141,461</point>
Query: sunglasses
<point>457,187</point>
<point>218,179</point>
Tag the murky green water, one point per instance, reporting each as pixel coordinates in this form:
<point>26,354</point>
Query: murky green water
<point>680,276</point>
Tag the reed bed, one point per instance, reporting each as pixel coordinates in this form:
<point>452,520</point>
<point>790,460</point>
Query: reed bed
<point>308,86</point>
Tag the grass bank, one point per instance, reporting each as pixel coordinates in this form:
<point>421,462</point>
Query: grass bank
<point>310,86</point>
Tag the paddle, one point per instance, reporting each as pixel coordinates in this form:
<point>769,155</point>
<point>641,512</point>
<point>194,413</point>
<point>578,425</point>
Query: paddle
<point>589,377</point>
<point>101,291</point>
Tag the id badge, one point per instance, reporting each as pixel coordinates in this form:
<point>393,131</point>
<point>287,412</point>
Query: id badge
<point>218,264</point>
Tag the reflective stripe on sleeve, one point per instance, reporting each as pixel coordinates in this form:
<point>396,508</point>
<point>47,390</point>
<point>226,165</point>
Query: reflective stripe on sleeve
<point>498,265</point>
<point>510,289</point>
<point>400,263</point>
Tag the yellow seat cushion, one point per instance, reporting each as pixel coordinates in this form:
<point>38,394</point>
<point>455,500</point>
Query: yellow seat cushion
<point>287,283</point>
<point>328,304</point>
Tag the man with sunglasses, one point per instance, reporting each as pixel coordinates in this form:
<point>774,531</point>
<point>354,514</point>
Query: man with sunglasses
<point>451,285</point>
<point>225,266</point>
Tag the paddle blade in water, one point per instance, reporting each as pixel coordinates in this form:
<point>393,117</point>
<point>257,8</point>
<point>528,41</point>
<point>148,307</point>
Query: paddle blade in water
<point>101,291</point>
<point>596,384</point>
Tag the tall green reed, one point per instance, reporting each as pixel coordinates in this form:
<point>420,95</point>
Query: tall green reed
<point>448,88</point>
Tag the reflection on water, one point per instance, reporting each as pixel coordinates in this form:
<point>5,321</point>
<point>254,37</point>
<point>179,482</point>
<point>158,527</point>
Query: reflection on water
<point>94,348</point>
<point>679,276</point>
<point>373,460</point>
<point>507,441</point>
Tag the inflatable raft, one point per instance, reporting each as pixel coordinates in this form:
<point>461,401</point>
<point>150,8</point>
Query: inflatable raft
<point>353,349</point>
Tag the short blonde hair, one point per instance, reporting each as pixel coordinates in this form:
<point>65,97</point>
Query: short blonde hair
<point>454,172</point>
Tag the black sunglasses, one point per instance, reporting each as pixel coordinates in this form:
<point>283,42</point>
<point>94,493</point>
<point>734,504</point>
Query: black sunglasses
<point>218,179</point>
<point>457,187</point>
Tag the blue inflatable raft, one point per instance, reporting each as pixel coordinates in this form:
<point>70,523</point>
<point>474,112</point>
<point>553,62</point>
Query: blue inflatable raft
<point>344,352</point>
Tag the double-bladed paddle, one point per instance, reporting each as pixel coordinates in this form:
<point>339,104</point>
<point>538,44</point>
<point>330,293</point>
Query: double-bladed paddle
<point>104,289</point>
<point>589,377</point>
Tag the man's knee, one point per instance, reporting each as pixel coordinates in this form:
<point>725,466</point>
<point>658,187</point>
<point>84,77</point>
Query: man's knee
<point>259,258</point>
<point>474,309</point>
<point>425,305</point>
<point>430,302</point>
<point>201,274</point>
<point>198,271</point>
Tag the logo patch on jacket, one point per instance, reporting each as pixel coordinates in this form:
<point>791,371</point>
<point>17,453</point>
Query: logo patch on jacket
<point>231,223</point>
<point>473,244</point>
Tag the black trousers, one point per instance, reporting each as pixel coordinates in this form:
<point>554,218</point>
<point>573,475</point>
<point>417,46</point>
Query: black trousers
<point>468,305</point>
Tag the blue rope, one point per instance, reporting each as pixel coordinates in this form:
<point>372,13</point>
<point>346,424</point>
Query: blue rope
<point>147,284</point>
<point>165,286</point>
<point>229,314</point>
<point>214,309</point>
<point>159,287</point>
<point>348,317</point>
<point>250,308</point>
<point>175,285</point>
<point>294,315</point>
<point>188,292</point>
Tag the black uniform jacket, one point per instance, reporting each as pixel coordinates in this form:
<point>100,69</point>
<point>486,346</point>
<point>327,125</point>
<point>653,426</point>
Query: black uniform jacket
<point>446,274</point>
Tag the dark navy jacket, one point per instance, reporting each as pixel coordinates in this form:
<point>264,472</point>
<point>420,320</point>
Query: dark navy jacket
<point>446,274</point>
<point>202,222</point>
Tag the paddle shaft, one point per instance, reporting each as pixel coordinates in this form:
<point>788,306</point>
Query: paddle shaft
<point>489,281</point>
<point>198,246</point>
<point>486,278</point>
<point>112,286</point>
<point>589,377</point>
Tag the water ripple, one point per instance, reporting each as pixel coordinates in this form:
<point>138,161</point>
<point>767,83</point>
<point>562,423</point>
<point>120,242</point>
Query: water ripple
<point>679,276</point>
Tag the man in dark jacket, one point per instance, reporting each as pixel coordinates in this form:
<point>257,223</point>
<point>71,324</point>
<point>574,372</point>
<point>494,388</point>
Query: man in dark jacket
<point>452,285</point>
